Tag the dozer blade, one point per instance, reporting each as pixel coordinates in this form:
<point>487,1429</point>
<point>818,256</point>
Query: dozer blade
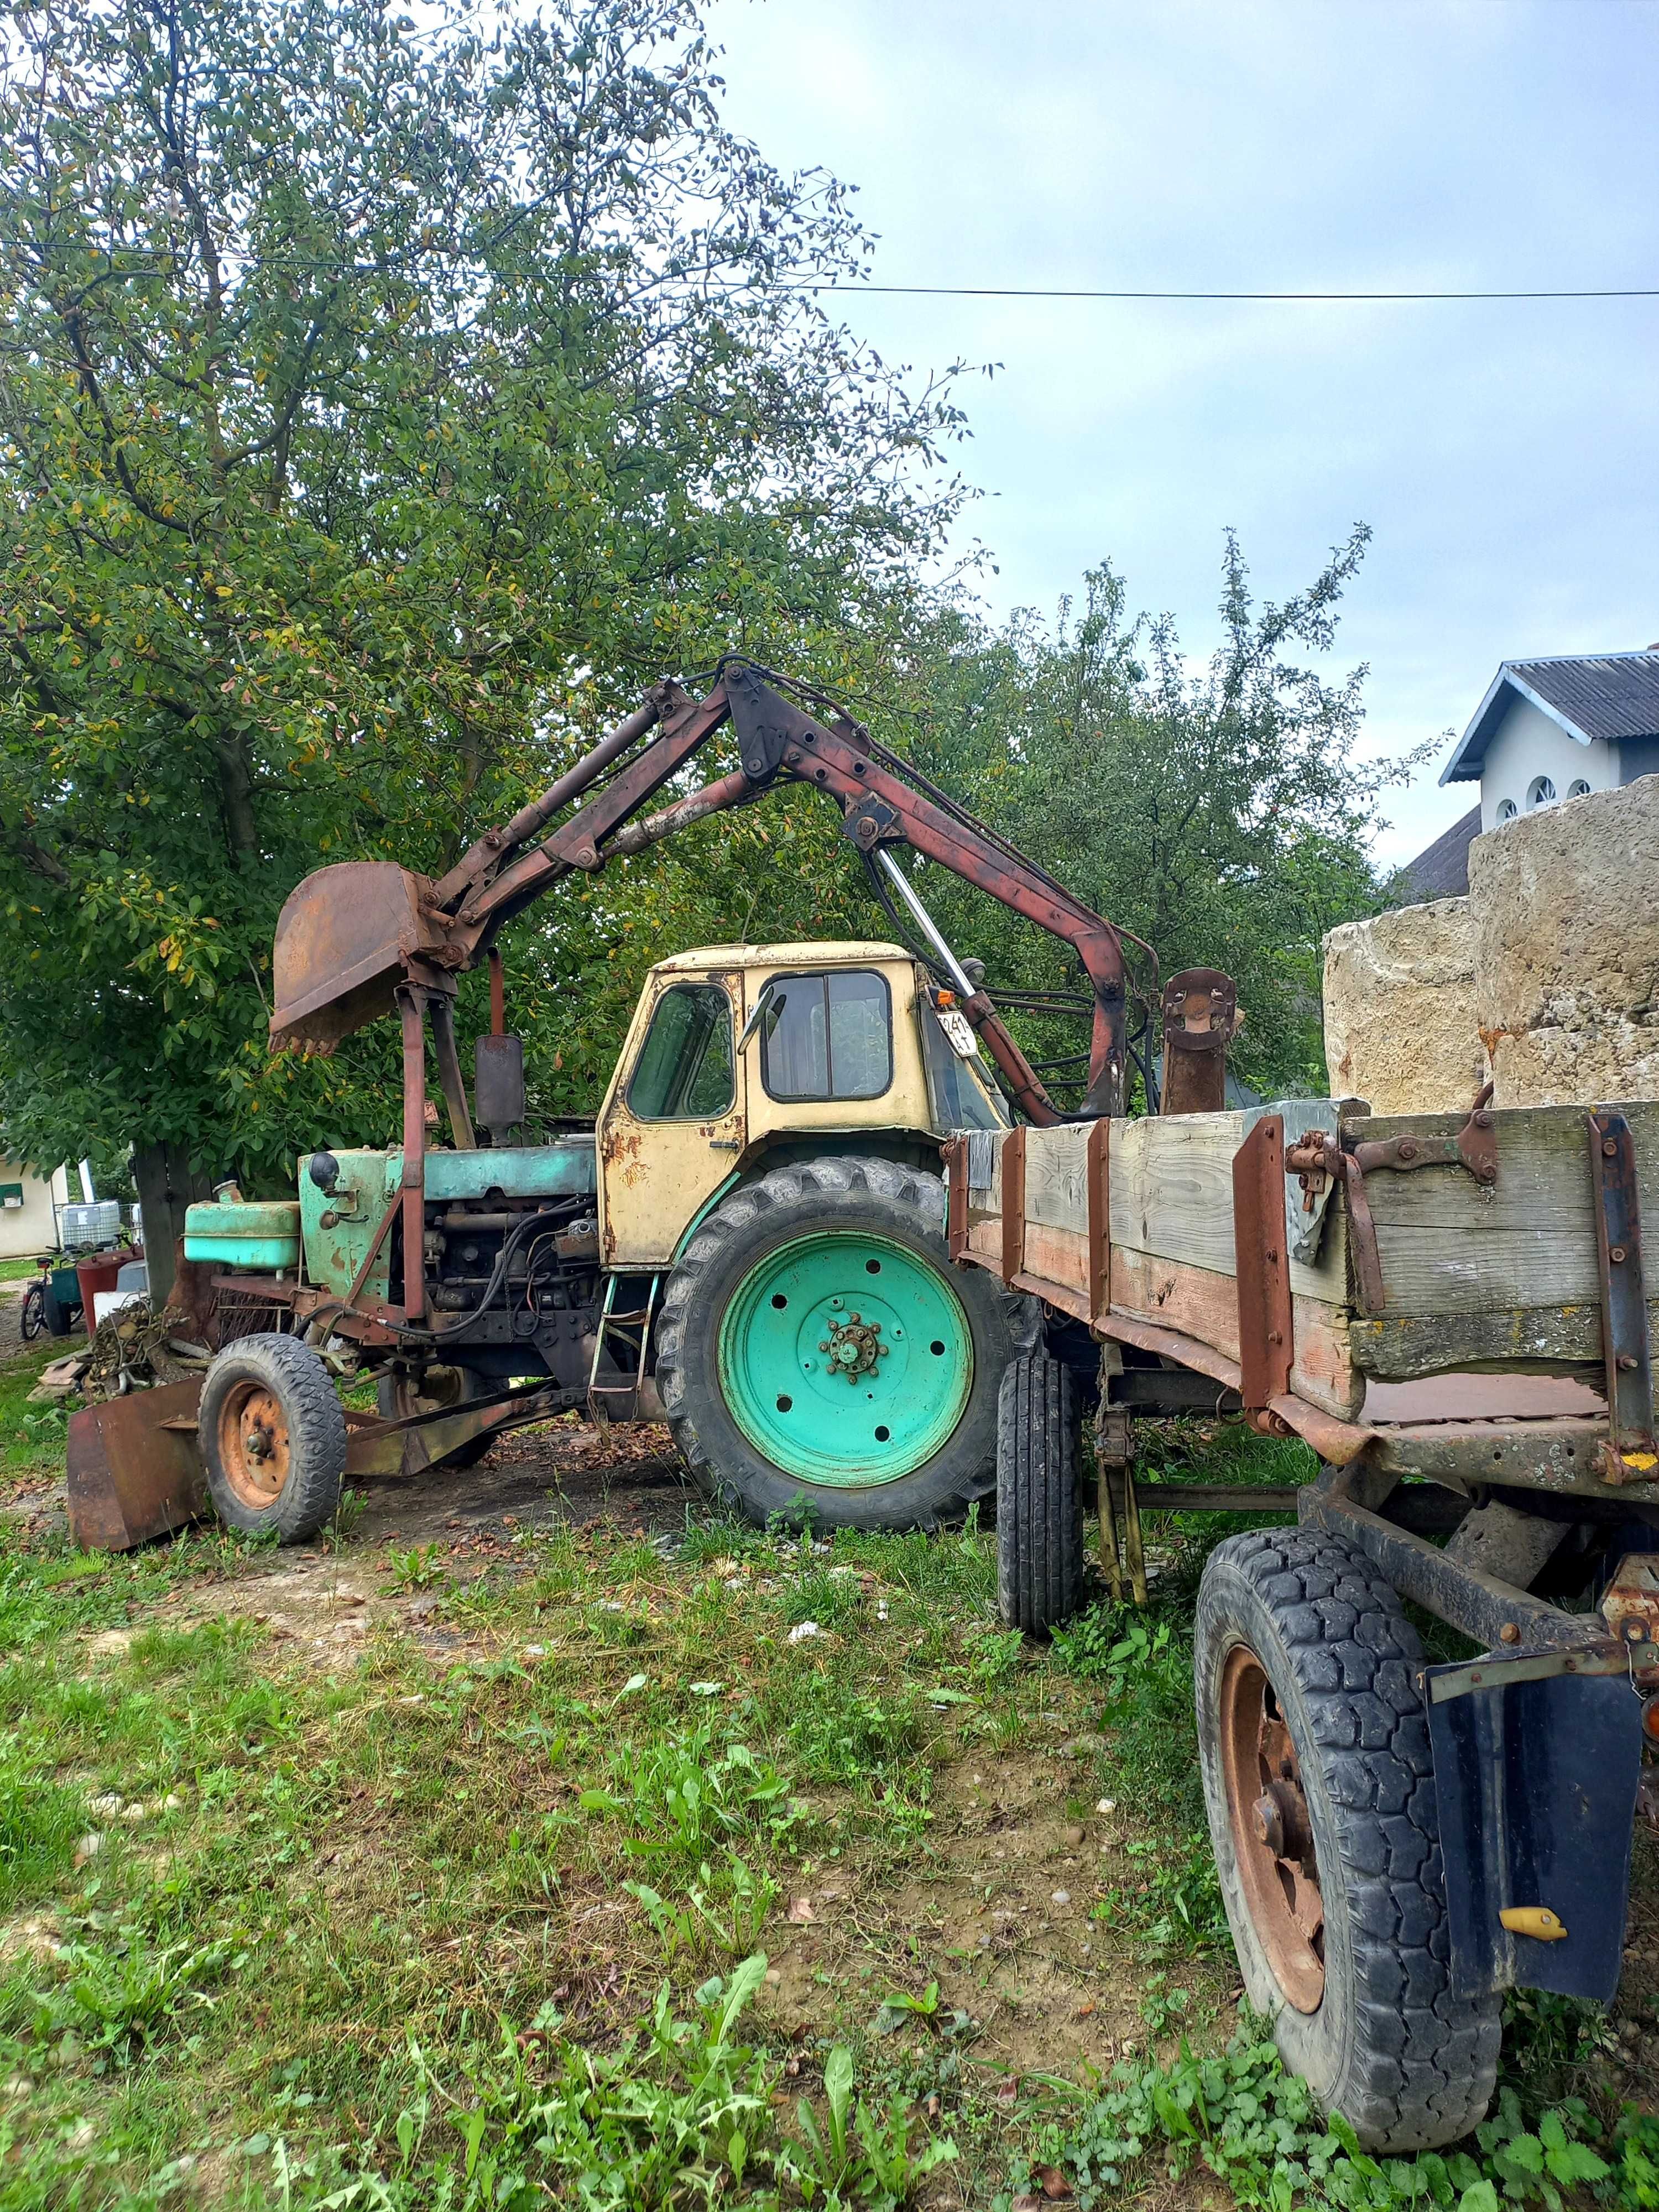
<point>134,1467</point>
<point>344,939</point>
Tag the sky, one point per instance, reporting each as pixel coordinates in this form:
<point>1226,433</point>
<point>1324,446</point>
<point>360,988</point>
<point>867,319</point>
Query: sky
<point>1503,453</point>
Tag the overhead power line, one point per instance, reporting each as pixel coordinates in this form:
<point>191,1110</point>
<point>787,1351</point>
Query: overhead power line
<point>1311,299</point>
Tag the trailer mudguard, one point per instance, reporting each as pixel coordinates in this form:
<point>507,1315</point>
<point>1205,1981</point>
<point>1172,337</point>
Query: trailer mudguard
<point>1536,1775</point>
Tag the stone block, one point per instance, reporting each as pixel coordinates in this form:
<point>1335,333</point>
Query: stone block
<point>1565,905</point>
<point>1402,1019</point>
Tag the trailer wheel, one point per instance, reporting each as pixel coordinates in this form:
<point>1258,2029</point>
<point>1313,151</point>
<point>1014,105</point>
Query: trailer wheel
<point>1318,1779</point>
<point>398,1397</point>
<point>818,1356</point>
<point>273,1437</point>
<point>1039,1494</point>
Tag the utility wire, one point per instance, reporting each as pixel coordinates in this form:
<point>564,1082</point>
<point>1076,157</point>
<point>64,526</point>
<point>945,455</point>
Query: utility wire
<point>1309,298</point>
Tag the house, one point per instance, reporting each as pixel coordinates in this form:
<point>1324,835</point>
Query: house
<point>1547,730</point>
<point>28,1209</point>
<point>1555,729</point>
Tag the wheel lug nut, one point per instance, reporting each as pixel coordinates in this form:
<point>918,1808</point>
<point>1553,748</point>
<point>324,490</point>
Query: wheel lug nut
<point>854,1320</point>
<point>824,1346</point>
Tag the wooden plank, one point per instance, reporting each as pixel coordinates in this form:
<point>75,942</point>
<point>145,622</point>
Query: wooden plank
<point>1524,1339</point>
<point>1172,1196</point>
<point>1059,1256</point>
<point>1203,1303</point>
<point>1057,1176</point>
<point>1450,1246</point>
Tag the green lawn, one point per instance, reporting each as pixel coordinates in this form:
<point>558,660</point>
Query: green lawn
<point>17,1271</point>
<point>567,1866</point>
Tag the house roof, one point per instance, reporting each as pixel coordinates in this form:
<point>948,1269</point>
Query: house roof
<point>1441,870</point>
<point>1589,696</point>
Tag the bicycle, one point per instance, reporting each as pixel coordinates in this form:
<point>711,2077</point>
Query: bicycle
<point>33,1320</point>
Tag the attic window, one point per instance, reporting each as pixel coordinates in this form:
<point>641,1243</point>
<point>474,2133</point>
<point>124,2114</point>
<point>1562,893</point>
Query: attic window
<point>1540,791</point>
<point>1578,788</point>
<point>1506,810</point>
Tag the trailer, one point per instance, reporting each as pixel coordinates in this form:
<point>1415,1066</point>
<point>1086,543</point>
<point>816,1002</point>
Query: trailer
<point>1450,1311</point>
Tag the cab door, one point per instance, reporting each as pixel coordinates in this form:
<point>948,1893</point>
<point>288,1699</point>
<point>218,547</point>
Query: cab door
<point>673,1126</point>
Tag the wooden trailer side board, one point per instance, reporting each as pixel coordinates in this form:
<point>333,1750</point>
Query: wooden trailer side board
<point>1165,1189</point>
<point>1478,1278</point>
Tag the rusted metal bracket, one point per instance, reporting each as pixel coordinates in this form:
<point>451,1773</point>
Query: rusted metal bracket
<point>1013,1203</point>
<point>1262,1266</point>
<point>1121,1557</point>
<point>1097,1162</point>
<point>1200,1015</point>
<point>1473,1147</point>
<point>954,1152</point>
<point>1629,1454</point>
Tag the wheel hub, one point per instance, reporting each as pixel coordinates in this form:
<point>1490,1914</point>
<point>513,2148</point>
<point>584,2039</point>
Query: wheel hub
<point>854,1347</point>
<point>253,1443</point>
<point>1272,1833</point>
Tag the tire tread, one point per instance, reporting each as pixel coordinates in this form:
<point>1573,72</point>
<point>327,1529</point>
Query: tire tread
<point>1423,2061</point>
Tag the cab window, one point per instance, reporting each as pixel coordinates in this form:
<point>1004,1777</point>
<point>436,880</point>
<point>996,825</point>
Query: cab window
<point>828,1036</point>
<point>684,1072</point>
<point>957,1093</point>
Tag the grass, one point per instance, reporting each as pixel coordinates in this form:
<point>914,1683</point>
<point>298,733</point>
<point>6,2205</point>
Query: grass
<point>578,1871</point>
<point>18,1271</point>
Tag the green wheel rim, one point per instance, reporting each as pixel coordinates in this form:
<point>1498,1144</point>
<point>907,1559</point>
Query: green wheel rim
<point>803,1370</point>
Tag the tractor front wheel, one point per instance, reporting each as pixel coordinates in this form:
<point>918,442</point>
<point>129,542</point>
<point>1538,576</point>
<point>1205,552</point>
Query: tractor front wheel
<point>273,1437</point>
<point>818,1356</point>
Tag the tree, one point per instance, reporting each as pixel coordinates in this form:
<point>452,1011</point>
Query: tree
<point>384,404</point>
<point>1222,816</point>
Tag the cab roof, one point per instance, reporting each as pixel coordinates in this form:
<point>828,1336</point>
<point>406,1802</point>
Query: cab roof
<point>855,953</point>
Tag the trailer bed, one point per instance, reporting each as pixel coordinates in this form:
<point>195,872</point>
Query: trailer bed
<point>1194,1239</point>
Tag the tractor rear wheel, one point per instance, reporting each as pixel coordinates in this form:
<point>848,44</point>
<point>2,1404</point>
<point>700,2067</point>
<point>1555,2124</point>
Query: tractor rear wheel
<point>818,1356</point>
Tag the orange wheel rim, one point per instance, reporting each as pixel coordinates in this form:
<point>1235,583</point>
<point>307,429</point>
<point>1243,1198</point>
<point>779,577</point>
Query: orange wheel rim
<point>1272,1835</point>
<point>254,1444</point>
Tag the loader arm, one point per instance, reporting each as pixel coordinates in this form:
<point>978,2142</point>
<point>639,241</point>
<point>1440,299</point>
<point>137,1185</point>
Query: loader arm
<point>780,742</point>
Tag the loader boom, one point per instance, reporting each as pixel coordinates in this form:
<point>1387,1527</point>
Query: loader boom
<point>341,960</point>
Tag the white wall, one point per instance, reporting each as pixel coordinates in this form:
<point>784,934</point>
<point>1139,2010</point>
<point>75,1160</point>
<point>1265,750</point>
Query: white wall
<point>1527,744</point>
<point>33,1227</point>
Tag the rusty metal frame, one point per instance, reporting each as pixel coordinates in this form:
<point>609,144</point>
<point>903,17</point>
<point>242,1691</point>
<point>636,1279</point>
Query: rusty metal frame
<point>954,1153</point>
<point>1013,1204</point>
<point>1262,1266</point>
<point>1630,1451</point>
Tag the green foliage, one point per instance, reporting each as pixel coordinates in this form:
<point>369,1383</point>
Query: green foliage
<point>386,401</point>
<point>1257,2129</point>
<point>39,1820</point>
<point>1221,815</point>
<point>679,2113</point>
<point>869,2161</point>
<point>680,1799</point>
<point>121,1992</point>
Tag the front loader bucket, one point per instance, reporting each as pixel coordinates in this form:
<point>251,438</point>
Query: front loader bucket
<point>343,941</point>
<point>134,1468</point>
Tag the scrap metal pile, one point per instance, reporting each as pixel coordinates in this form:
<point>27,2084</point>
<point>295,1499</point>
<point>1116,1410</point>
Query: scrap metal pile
<point>133,1349</point>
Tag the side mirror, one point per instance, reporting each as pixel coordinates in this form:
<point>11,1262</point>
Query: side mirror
<point>325,1170</point>
<point>498,1084</point>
